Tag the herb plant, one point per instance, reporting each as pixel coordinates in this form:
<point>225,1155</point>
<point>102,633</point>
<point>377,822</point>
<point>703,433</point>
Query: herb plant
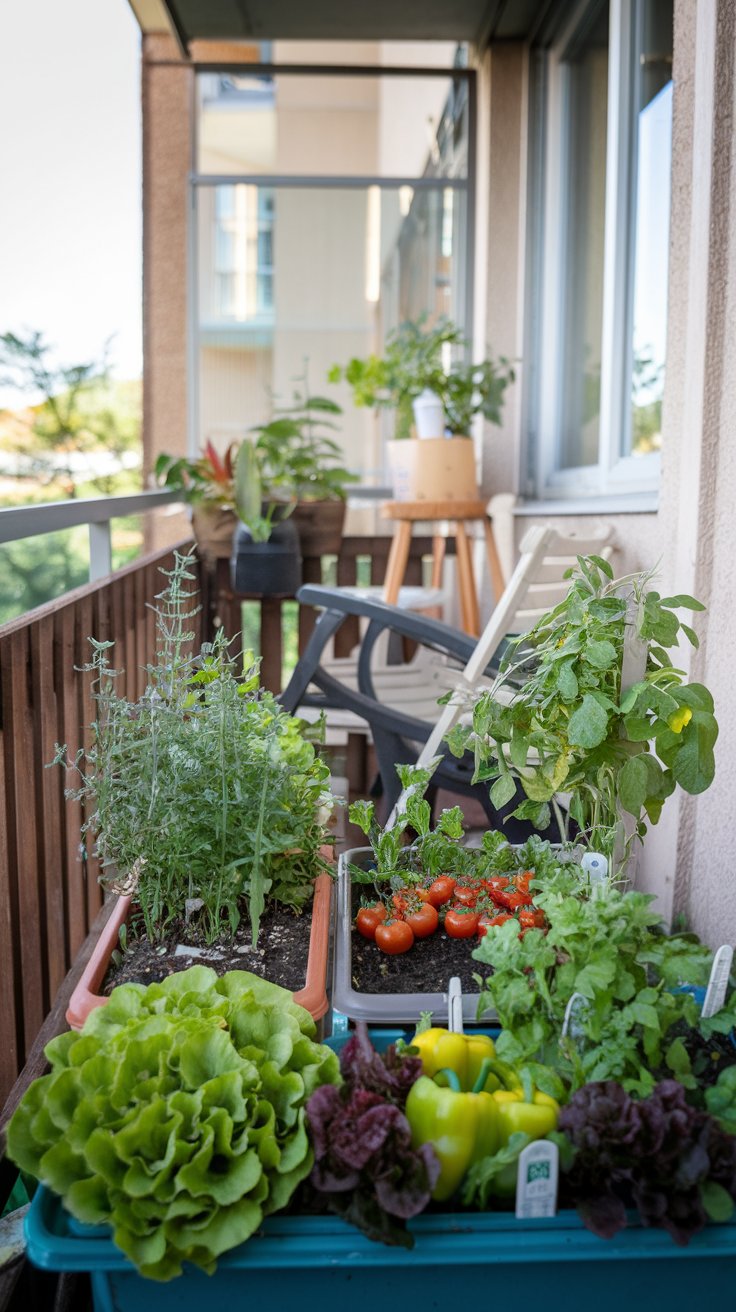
<point>177,1115</point>
<point>558,720</point>
<point>414,360</point>
<point>203,796</point>
<point>612,951</point>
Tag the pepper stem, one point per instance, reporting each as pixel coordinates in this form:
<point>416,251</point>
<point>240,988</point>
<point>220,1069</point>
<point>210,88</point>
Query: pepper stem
<point>452,1078</point>
<point>483,1073</point>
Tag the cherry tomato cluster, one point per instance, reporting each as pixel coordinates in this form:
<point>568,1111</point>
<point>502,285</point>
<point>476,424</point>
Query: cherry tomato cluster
<point>466,907</point>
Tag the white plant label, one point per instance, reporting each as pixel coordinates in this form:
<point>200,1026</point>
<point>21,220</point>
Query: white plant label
<point>595,866</point>
<point>536,1180</point>
<point>718,982</point>
<point>574,1012</point>
<point>455,1005</point>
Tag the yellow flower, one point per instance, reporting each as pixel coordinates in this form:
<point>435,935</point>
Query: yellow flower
<point>679,718</point>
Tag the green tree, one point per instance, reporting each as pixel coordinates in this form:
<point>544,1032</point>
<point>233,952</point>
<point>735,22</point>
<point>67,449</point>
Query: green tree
<point>80,412</point>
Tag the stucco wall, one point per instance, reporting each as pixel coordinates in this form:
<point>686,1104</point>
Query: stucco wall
<point>698,523</point>
<point>692,536</point>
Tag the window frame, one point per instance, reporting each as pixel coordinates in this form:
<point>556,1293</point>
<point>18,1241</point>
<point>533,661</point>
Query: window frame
<point>615,472</point>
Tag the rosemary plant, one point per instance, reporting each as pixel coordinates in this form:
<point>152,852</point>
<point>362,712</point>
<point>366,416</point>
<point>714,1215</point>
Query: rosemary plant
<point>203,796</point>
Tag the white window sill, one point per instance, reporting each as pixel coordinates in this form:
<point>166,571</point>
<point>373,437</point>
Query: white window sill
<point>630,503</point>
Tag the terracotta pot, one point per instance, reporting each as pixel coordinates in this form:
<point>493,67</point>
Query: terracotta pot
<point>313,995</point>
<point>319,525</point>
<point>214,527</point>
<point>433,469</point>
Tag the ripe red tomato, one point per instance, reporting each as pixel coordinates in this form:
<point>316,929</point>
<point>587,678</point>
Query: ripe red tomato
<point>466,894</point>
<point>485,920</point>
<point>369,918</point>
<point>441,890</point>
<point>423,921</point>
<point>399,901</point>
<point>531,918</point>
<point>394,936</point>
<point>461,922</point>
<point>497,886</point>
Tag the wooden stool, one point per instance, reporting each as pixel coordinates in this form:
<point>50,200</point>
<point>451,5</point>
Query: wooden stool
<point>457,513</point>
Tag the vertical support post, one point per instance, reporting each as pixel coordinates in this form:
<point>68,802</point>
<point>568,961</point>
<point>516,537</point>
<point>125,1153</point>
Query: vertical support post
<point>100,551</point>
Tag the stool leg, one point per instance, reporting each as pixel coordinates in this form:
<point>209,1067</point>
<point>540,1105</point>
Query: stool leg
<point>494,564</point>
<point>397,561</point>
<point>468,595</point>
<point>439,543</point>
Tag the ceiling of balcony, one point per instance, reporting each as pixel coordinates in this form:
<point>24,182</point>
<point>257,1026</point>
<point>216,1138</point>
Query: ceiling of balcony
<point>477,21</point>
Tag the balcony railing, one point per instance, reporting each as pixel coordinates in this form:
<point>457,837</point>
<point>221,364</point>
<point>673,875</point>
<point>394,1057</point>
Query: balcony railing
<point>49,890</point>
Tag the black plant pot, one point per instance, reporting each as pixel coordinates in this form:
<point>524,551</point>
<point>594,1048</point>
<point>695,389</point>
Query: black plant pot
<point>267,569</point>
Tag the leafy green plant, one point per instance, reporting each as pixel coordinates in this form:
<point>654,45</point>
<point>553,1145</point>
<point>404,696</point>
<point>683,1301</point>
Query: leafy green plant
<point>413,361</point>
<point>291,458</point>
<point>439,850</point>
<point>612,950</point>
<point>177,1115</point>
<point>557,719</point>
<point>298,459</point>
<point>203,796</point>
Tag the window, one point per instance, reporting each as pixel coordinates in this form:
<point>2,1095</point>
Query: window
<point>602,104</point>
<point>327,210</point>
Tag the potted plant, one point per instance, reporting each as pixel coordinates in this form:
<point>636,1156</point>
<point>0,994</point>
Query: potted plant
<point>208,809</point>
<point>266,558</point>
<point>410,913</point>
<point>384,1143</point>
<point>589,704</point>
<point>300,460</point>
<point>300,472</point>
<point>415,363</point>
<point>208,485</point>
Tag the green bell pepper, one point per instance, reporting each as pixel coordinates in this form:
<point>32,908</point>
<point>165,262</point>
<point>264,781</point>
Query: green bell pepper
<point>461,1126</point>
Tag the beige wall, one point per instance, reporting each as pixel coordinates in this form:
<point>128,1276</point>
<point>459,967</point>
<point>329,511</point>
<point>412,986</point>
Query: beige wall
<point>693,534</point>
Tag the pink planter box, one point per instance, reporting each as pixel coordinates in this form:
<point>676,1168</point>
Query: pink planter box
<point>313,996</point>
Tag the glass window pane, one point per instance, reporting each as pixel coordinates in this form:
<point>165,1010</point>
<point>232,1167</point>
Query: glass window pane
<point>382,126</point>
<point>652,221</point>
<point>340,268</point>
<point>584,223</point>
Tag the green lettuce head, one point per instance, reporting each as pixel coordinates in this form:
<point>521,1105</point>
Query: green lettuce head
<point>176,1116</point>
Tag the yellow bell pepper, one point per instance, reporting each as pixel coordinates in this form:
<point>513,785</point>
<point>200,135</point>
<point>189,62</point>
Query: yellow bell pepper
<point>440,1049</point>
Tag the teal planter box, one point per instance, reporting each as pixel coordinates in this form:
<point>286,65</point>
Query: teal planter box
<point>486,1259</point>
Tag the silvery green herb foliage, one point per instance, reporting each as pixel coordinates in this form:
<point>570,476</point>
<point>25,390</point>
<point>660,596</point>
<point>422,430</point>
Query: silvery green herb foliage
<point>613,951</point>
<point>177,1115</point>
<point>557,721</point>
<point>204,793</point>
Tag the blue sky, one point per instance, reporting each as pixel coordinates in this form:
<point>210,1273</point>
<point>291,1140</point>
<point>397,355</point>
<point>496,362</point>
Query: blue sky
<point>70,217</point>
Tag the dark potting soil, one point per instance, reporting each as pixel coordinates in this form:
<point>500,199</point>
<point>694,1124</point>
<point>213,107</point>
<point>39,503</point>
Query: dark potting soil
<point>280,955</point>
<point>425,968</point>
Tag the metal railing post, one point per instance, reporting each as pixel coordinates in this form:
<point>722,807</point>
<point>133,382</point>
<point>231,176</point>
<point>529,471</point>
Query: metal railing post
<point>100,550</point>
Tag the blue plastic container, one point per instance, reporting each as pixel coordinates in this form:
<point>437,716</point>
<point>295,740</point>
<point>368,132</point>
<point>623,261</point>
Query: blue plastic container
<point>322,1263</point>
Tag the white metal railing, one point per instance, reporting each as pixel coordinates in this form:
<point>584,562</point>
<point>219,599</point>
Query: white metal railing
<point>97,513</point>
<point>18,522</point>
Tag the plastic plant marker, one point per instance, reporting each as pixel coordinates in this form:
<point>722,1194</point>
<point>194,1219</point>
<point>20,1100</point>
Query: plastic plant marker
<point>574,1012</point>
<point>595,866</point>
<point>718,982</point>
<point>536,1180</point>
<point>455,1006</point>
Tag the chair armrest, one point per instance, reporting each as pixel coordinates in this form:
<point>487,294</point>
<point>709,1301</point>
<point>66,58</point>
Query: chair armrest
<point>422,629</point>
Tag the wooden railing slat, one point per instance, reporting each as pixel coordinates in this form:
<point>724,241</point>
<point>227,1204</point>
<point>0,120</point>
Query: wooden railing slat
<point>11,1039</point>
<point>18,717</point>
<point>48,812</point>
